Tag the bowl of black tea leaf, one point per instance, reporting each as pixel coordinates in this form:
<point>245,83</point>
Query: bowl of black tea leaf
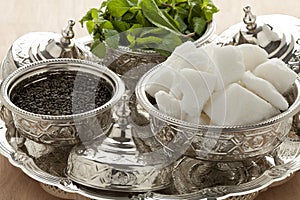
<point>61,101</point>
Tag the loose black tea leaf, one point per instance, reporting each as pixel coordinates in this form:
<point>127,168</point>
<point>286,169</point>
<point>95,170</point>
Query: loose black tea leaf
<point>62,93</point>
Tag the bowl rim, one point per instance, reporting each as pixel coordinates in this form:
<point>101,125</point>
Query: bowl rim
<point>143,100</point>
<point>209,31</point>
<point>39,65</point>
<point>205,37</point>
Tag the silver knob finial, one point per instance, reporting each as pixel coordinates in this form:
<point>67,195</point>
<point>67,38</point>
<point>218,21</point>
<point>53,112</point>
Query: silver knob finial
<point>68,33</point>
<point>249,19</point>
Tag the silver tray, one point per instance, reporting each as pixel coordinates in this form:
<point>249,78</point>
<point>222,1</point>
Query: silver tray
<point>282,164</point>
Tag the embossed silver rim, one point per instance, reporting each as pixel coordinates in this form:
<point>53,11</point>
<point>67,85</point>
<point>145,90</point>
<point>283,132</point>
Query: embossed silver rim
<point>143,100</point>
<point>278,173</point>
<point>119,87</point>
<point>210,30</point>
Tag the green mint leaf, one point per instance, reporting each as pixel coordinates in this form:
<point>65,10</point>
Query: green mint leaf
<point>152,31</point>
<point>117,8</point>
<point>163,52</point>
<point>86,17</point>
<point>133,33</point>
<point>134,9</point>
<point>156,17</point>
<point>171,20</point>
<point>182,24</point>
<point>105,24</point>
<point>170,42</point>
<point>183,12</point>
<point>90,25</point>
<point>195,11</point>
<point>89,16</point>
<point>180,1</point>
<point>133,2</point>
<point>209,9</point>
<point>99,49</point>
<point>103,5</point>
<point>140,18</point>
<point>112,38</point>
<point>128,16</point>
<point>199,25</point>
<point>97,36</point>
<point>121,26</point>
<point>149,42</point>
<point>94,14</point>
<point>131,40</point>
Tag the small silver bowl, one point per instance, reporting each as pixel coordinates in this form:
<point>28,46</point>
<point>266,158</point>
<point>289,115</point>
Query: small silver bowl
<point>108,164</point>
<point>214,143</point>
<point>59,129</point>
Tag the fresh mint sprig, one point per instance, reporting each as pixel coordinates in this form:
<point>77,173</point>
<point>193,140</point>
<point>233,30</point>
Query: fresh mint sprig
<point>159,25</point>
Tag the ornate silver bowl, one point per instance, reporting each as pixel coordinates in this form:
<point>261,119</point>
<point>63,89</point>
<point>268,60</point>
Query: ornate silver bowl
<point>97,165</point>
<point>59,129</point>
<point>130,64</point>
<point>213,143</point>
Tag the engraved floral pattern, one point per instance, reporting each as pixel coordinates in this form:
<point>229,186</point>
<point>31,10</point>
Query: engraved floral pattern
<point>99,175</point>
<point>59,132</point>
<point>213,146</point>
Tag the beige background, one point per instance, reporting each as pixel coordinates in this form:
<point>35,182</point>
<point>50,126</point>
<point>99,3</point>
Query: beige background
<point>22,16</point>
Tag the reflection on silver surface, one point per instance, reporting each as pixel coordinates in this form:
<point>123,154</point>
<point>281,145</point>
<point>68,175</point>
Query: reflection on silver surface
<point>277,34</point>
<point>123,161</point>
<point>244,182</point>
<point>114,162</point>
<point>60,129</point>
<point>217,143</point>
<point>38,46</point>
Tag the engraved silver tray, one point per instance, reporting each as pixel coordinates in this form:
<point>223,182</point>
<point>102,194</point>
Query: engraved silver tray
<point>282,164</point>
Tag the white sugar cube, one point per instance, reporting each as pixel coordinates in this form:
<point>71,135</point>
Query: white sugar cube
<point>276,72</point>
<point>265,90</point>
<point>188,56</point>
<point>168,104</point>
<point>161,81</point>
<point>253,55</point>
<point>238,106</point>
<point>229,66</point>
<point>196,88</point>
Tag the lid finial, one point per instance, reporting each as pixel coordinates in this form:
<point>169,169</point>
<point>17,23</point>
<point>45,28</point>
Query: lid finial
<point>249,19</point>
<point>68,32</point>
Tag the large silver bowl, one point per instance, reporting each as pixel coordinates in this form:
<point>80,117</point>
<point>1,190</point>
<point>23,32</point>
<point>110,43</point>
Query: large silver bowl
<point>59,129</point>
<point>209,142</point>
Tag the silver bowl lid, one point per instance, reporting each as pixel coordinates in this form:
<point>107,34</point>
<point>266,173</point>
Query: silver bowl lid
<point>114,161</point>
<point>37,46</point>
<point>264,31</point>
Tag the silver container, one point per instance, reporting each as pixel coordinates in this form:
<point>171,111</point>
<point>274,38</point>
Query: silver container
<point>38,46</point>
<point>116,166</point>
<point>214,143</point>
<point>114,161</point>
<point>130,64</point>
<point>60,129</point>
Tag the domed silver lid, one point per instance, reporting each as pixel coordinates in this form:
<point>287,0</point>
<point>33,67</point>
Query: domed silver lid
<point>115,162</point>
<point>37,46</point>
<point>265,31</point>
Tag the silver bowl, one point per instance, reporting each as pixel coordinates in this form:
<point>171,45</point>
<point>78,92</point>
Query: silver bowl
<point>130,64</point>
<point>60,129</point>
<point>109,164</point>
<point>214,143</point>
